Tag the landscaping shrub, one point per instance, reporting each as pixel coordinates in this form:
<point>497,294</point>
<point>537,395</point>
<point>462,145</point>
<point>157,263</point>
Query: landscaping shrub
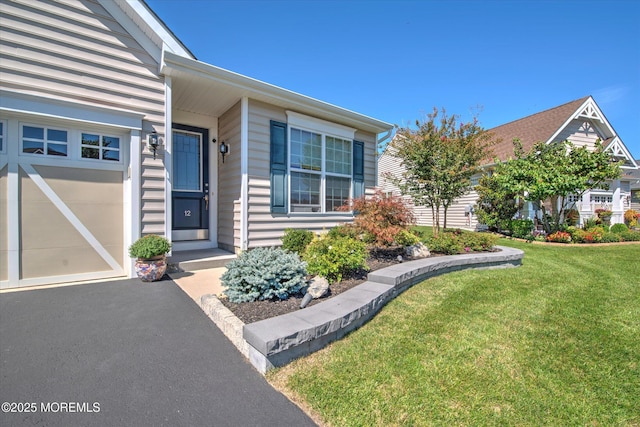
<point>344,230</point>
<point>380,218</point>
<point>577,235</point>
<point>333,257</point>
<point>593,235</point>
<point>521,228</point>
<point>296,240</point>
<point>456,241</point>
<point>631,218</point>
<point>630,236</point>
<point>590,223</point>
<point>609,237</point>
<point>406,238</point>
<point>264,274</point>
<point>619,228</point>
<point>559,237</point>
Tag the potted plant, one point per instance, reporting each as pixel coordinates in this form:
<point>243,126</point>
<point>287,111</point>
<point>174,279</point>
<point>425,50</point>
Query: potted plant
<point>150,253</point>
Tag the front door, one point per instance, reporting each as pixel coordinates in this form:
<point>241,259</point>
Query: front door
<point>190,183</point>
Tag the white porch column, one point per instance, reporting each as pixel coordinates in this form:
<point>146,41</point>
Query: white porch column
<point>585,207</point>
<point>617,205</point>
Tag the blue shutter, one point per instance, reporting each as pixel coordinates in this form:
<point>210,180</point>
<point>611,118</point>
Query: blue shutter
<point>278,167</point>
<point>358,169</point>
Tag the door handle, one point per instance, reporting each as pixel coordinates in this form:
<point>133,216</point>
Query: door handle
<point>206,202</point>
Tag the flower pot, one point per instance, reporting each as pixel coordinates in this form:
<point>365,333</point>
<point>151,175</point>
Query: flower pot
<point>150,270</point>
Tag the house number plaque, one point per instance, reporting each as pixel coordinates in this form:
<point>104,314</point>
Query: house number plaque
<point>187,213</point>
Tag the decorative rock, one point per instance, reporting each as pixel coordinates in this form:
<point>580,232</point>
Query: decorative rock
<point>419,250</point>
<point>318,287</point>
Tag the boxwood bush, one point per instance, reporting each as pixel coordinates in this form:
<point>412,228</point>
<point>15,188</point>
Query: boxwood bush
<point>264,274</point>
<point>296,240</point>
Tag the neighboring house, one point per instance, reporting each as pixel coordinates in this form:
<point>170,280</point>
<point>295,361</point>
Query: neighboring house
<point>86,86</point>
<point>581,122</point>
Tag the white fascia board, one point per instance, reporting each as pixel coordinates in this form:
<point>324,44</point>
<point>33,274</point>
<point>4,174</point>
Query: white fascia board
<point>119,8</point>
<point>253,86</point>
<point>159,28</point>
<point>84,112</point>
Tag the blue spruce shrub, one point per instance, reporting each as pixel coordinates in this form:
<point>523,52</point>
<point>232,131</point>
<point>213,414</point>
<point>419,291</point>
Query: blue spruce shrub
<point>264,274</point>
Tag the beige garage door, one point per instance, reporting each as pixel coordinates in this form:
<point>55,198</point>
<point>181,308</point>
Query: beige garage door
<point>62,216</point>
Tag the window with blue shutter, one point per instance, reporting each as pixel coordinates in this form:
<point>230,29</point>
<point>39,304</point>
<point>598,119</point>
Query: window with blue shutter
<point>358,169</point>
<point>279,189</point>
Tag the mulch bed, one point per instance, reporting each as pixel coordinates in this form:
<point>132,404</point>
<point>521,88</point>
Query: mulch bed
<point>249,312</point>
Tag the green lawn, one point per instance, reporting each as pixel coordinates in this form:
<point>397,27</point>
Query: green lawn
<point>555,342</point>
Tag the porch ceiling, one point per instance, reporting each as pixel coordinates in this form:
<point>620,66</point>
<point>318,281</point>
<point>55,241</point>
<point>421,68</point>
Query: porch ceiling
<point>205,89</point>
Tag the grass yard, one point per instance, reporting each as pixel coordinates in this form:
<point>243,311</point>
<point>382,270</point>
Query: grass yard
<point>555,342</point>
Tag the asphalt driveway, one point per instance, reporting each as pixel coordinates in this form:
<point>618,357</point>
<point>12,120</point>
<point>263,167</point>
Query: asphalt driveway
<point>126,353</point>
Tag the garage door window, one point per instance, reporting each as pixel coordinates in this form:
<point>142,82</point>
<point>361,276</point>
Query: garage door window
<point>44,141</point>
<point>100,147</point>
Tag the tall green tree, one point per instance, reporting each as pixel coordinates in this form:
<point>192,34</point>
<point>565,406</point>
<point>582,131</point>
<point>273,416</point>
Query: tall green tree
<point>548,173</point>
<point>439,157</point>
<point>496,205</point>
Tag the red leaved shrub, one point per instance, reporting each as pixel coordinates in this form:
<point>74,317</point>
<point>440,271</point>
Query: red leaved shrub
<point>380,218</point>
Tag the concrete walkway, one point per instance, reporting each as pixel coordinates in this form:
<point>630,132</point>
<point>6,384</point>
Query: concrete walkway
<point>127,353</point>
<point>200,282</point>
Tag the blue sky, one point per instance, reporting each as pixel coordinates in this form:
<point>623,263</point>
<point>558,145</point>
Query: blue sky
<point>396,60</point>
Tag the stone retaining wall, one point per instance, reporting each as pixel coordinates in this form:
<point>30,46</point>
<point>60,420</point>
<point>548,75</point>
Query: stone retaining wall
<point>277,341</point>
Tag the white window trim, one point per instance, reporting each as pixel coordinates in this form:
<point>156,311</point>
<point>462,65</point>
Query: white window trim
<point>322,173</point>
<point>312,124</point>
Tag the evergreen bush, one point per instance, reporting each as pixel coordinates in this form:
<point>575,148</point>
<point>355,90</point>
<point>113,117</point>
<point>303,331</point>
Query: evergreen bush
<point>149,246</point>
<point>609,237</point>
<point>619,228</point>
<point>296,240</point>
<point>264,274</point>
<point>630,236</point>
<point>521,228</point>
<point>333,257</point>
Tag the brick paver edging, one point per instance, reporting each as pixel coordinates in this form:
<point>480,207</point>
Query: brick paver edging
<point>277,341</point>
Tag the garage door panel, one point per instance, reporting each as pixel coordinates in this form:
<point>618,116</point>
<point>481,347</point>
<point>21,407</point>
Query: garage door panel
<point>69,224</point>
<point>60,261</point>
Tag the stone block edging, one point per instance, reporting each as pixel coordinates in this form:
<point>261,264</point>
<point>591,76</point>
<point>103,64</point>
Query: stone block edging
<point>278,340</point>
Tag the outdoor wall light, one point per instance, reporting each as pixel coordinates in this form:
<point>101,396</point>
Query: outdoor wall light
<point>224,150</point>
<point>153,140</point>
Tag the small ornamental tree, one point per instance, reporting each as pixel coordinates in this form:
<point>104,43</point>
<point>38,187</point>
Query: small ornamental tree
<point>439,158</point>
<point>379,218</point>
<point>548,173</point>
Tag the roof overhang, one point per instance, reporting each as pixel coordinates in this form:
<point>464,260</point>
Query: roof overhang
<point>202,88</point>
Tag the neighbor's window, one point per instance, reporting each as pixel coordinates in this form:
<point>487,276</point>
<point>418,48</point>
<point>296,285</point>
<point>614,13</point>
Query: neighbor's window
<point>44,141</point>
<point>320,169</point>
<point>100,147</point>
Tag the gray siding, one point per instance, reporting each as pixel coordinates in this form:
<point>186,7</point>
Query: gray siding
<point>75,51</point>
<point>229,181</point>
